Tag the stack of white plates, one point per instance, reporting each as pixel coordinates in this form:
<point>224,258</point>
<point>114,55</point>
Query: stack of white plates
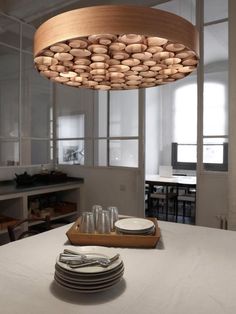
<point>135,226</point>
<point>89,279</point>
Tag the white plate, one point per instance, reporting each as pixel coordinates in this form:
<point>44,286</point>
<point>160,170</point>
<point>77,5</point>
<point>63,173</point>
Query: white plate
<point>95,290</point>
<point>96,278</point>
<point>87,286</point>
<point>138,232</point>
<point>92,251</point>
<point>88,283</point>
<point>134,225</point>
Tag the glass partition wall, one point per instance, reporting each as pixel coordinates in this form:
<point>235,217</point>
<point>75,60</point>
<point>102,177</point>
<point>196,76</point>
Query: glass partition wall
<point>25,99</point>
<point>195,109</point>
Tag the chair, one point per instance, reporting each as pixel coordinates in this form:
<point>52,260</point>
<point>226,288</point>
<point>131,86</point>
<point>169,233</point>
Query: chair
<point>43,224</point>
<point>161,198</point>
<point>187,197</point>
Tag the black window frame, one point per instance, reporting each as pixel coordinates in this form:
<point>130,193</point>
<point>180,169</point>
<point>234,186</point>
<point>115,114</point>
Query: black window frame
<point>193,165</point>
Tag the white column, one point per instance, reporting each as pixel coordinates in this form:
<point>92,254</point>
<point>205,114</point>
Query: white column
<point>232,116</point>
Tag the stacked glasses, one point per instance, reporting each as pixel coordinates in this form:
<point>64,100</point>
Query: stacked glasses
<point>99,220</point>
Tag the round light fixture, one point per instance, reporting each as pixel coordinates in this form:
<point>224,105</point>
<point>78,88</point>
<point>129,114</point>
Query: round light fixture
<point>116,47</point>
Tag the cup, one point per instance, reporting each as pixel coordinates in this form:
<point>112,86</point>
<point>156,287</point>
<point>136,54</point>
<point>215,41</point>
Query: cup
<point>103,223</point>
<point>113,210</point>
<point>96,209</point>
<point>87,223</point>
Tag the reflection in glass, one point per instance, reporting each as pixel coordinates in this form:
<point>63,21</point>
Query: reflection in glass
<point>9,31</point>
<point>123,153</point>
<point>80,103</point>
<point>124,113</point>
<point>215,10</point>
<point>215,112</point>
<point>9,91</point>
<point>100,126</point>
<point>183,8</point>
<point>100,152</point>
<point>71,152</point>
<point>71,126</point>
<point>35,152</point>
<point>185,112</point>
<point>35,101</point>
<point>214,150</point>
<point>216,47</point>
<point>27,37</point>
<point>9,153</point>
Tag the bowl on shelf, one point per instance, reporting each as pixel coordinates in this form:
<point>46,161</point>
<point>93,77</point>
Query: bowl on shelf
<point>24,179</point>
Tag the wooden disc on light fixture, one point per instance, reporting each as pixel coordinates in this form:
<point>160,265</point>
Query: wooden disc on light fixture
<point>104,46</point>
<point>131,62</point>
<point>60,47</point>
<point>78,43</point>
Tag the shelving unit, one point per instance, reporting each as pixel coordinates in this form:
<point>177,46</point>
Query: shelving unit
<point>14,202</point>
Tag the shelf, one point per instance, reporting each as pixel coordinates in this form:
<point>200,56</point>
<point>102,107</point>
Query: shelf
<point>6,221</point>
<point>52,218</point>
<point>15,203</point>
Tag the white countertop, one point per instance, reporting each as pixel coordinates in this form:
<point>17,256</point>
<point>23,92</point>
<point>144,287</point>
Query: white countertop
<point>192,271</point>
<point>189,180</point>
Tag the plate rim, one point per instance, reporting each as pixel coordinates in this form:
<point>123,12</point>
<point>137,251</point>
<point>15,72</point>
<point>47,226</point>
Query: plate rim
<point>118,222</point>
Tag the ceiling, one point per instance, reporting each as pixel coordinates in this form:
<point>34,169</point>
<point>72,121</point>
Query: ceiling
<point>36,12</point>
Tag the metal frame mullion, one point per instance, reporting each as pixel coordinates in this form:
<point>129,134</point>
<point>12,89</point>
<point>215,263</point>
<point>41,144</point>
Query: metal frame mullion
<point>108,129</point>
<point>20,100</point>
<point>200,82</point>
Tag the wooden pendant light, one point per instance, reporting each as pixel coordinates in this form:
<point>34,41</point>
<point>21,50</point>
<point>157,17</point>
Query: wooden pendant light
<point>97,47</point>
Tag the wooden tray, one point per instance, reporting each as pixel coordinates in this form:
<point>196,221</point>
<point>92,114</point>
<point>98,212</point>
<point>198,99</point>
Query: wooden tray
<point>114,239</point>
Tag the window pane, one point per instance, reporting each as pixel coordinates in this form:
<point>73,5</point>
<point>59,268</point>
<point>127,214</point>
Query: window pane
<point>71,101</point>
<point>27,37</point>
<point>185,111</point>
<point>186,153</point>
<point>215,10</point>
<point>123,153</point>
<point>100,153</point>
<point>10,31</point>
<point>9,153</point>
<point>36,101</point>
<point>100,123</point>
<point>124,113</point>
<point>214,150</point>
<point>216,47</point>
<point>71,126</point>
<point>35,152</point>
<point>9,91</point>
<point>215,113</point>
<point>215,109</point>
<point>77,152</point>
<point>183,8</point>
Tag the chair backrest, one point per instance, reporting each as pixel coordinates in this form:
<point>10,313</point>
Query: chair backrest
<point>13,235</point>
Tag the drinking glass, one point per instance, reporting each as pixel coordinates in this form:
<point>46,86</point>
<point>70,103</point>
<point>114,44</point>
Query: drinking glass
<point>87,223</point>
<point>104,223</point>
<point>113,210</point>
<point>96,209</point>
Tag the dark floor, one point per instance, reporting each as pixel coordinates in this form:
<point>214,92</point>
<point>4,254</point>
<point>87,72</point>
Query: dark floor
<point>160,213</point>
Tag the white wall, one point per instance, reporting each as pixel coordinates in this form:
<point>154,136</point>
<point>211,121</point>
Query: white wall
<point>212,199</point>
<point>109,186</point>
